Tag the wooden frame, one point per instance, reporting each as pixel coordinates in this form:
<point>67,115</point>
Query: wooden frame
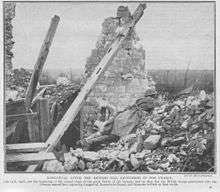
<point>25,147</point>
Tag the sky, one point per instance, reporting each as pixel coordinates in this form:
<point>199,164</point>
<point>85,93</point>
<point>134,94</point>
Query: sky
<point>173,34</point>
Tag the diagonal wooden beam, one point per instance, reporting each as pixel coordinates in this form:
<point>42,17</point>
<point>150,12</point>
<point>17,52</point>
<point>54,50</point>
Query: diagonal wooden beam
<point>40,61</point>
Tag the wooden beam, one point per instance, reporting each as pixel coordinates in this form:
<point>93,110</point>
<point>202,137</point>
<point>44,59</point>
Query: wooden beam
<point>44,118</point>
<point>33,129</point>
<point>24,147</point>
<point>18,116</point>
<point>52,113</point>
<point>29,157</point>
<point>78,102</point>
<point>40,62</point>
<point>47,86</point>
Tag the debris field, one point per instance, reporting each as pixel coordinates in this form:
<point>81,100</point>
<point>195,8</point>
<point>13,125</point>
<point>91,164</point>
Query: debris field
<point>178,136</point>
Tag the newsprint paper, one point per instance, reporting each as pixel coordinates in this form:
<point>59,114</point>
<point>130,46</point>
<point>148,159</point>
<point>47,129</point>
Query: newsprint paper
<point>109,96</point>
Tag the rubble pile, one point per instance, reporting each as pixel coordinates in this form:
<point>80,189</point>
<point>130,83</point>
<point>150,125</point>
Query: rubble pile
<point>17,83</point>
<point>19,78</point>
<point>57,91</point>
<point>62,96</point>
<point>178,136</point>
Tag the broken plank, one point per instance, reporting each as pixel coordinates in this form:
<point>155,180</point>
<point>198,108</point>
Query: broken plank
<point>29,157</point>
<point>38,96</point>
<point>24,147</point>
<point>40,62</point>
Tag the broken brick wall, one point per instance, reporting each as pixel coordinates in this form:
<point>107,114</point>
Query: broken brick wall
<point>125,80</point>
<point>9,14</point>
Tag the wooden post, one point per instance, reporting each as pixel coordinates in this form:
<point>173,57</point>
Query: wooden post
<point>33,129</point>
<point>18,116</point>
<point>52,113</point>
<point>44,118</point>
<point>185,76</point>
<point>40,62</point>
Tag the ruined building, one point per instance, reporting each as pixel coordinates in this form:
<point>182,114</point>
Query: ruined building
<point>9,14</point>
<point>125,79</point>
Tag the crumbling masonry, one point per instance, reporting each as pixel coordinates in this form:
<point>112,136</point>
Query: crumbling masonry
<point>125,79</point>
<point>9,14</point>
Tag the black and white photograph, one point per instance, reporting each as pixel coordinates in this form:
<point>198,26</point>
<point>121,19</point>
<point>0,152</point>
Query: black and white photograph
<point>109,87</point>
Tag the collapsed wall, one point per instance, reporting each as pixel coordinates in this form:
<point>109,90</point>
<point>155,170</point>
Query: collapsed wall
<point>125,79</point>
<point>9,14</point>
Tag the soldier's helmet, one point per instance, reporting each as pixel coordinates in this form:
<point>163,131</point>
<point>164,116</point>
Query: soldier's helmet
<point>150,92</point>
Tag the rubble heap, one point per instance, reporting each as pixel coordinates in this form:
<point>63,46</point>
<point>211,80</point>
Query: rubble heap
<point>177,136</point>
<point>125,79</point>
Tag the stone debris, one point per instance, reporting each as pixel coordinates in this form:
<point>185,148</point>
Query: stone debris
<point>134,162</point>
<point>91,156</point>
<point>125,123</point>
<point>184,143</point>
<point>71,163</point>
<point>151,142</point>
<point>172,158</point>
<point>178,141</point>
<point>53,166</point>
